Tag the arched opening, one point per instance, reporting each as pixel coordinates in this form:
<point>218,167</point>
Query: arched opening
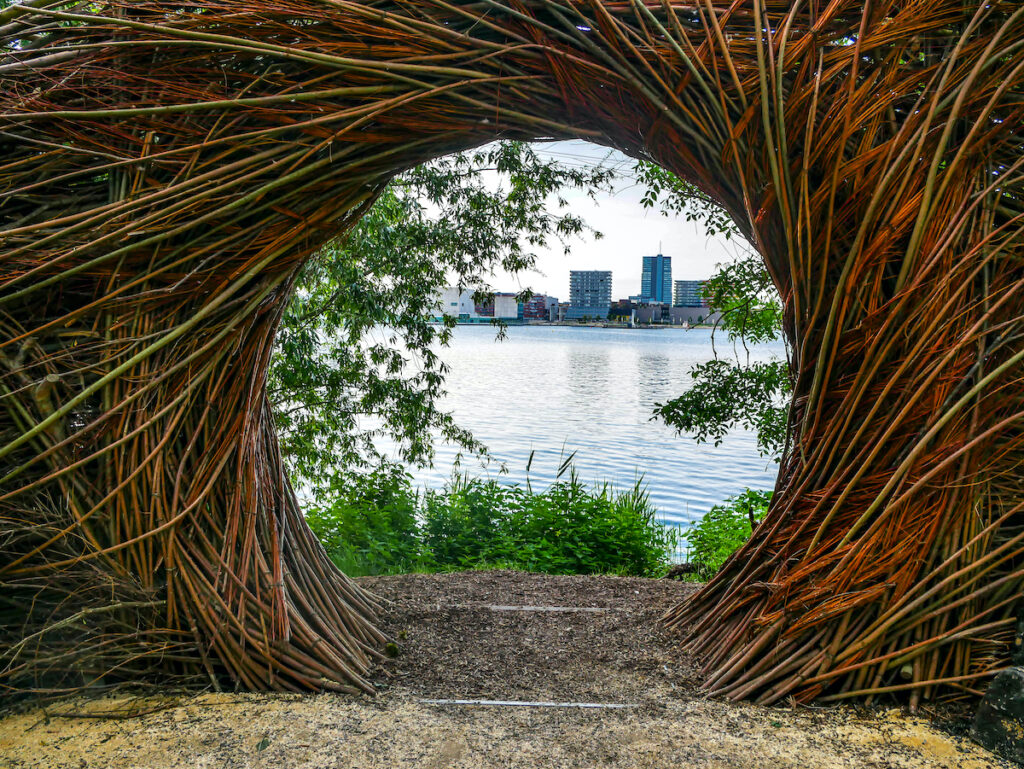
<point>553,400</point>
<point>170,168</point>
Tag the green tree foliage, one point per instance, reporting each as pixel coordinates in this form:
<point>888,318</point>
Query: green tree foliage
<point>676,197</point>
<point>356,357</point>
<point>727,393</point>
<point>743,292</point>
<point>734,392</point>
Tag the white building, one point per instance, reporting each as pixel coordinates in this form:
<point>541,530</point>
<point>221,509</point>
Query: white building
<point>461,306</point>
<point>506,307</point>
<point>455,303</point>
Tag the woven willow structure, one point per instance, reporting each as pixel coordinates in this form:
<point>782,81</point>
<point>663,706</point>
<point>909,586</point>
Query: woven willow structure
<point>165,169</point>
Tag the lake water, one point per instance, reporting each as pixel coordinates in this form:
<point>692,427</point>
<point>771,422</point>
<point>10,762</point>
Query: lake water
<point>555,390</point>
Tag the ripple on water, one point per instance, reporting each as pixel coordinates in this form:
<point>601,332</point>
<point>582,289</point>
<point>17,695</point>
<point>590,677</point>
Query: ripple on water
<point>555,390</point>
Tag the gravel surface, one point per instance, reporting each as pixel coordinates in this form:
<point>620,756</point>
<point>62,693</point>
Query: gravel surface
<point>453,643</point>
<point>457,639</point>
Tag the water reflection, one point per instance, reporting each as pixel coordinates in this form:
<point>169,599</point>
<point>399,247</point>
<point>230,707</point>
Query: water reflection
<point>558,390</point>
<point>588,377</point>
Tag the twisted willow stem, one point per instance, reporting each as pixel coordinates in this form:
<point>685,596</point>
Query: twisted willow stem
<point>166,170</point>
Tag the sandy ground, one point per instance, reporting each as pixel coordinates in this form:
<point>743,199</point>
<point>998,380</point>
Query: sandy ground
<point>459,639</point>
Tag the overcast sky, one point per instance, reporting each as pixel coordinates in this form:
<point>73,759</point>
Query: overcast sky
<point>630,232</point>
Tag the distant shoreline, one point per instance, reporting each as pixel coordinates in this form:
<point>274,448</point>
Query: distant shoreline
<point>596,324</point>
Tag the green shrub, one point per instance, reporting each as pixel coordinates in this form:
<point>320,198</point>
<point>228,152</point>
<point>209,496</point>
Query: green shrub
<point>378,524</point>
<point>370,525</point>
<point>463,524</point>
<point>724,529</point>
<point>571,530</point>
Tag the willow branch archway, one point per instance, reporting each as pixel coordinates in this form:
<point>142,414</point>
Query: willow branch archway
<point>165,170</point>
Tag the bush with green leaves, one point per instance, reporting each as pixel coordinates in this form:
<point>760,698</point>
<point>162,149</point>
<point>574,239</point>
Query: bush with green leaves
<point>379,524</point>
<point>370,526</point>
<point>724,529</point>
<point>567,529</point>
<point>463,523</point>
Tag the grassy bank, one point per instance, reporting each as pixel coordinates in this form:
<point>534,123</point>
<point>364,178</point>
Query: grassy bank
<point>377,523</point>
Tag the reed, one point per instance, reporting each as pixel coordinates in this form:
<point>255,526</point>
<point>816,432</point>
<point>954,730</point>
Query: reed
<point>165,169</point>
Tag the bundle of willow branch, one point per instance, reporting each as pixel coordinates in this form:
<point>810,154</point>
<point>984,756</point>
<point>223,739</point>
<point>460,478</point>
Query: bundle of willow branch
<point>165,169</point>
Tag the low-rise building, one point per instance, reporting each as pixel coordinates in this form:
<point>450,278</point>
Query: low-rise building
<point>692,316</point>
<point>540,307</point>
<point>466,307</point>
<point>507,307</point>
<point>499,306</point>
<point>552,306</point>
<point>455,303</point>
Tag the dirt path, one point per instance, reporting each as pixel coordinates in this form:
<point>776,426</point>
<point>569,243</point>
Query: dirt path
<point>468,636</point>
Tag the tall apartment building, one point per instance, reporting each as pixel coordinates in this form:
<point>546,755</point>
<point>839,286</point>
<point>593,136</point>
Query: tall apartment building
<point>656,279</point>
<point>689,294</point>
<point>590,293</point>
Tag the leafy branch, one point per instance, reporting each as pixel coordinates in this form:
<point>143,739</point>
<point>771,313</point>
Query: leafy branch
<point>356,363</point>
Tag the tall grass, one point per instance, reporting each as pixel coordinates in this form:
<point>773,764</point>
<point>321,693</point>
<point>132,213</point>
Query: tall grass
<point>378,524</point>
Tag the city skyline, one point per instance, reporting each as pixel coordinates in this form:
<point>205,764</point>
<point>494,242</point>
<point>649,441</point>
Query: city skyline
<point>630,232</point>
<point>685,293</point>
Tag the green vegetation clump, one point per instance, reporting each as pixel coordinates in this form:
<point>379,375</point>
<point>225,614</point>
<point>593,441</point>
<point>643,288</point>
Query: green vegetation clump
<point>369,526</point>
<point>724,529</point>
<point>378,524</point>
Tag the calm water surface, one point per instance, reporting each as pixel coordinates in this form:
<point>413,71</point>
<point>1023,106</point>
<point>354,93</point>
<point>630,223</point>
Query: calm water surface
<point>554,390</point>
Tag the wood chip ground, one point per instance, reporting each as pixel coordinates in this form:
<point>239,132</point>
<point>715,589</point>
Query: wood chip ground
<point>461,637</point>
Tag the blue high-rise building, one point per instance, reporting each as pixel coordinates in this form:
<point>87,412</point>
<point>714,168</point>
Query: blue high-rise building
<point>656,279</point>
